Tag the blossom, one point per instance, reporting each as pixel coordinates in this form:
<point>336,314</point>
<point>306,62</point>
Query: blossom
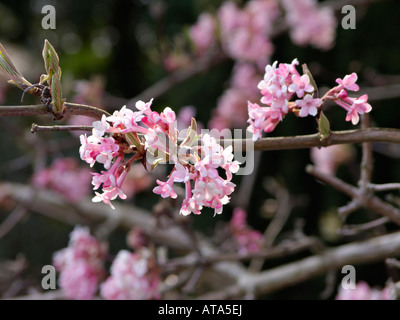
<point>81,264</point>
<point>65,177</point>
<point>308,106</point>
<point>197,165</point>
<point>203,33</point>
<point>134,276</point>
<point>247,239</point>
<point>349,82</point>
<point>310,24</point>
<point>301,85</point>
<point>245,33</point>
<point>165,189</point>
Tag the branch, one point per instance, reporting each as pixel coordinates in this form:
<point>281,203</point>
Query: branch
<point>388,135</point>
<point>370,202</point>
<point>369,251</point>
<point>41,109</point>
<point>37,128</point>
<point>53,206</point>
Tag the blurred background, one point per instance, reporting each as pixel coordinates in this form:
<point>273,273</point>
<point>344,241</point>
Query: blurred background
<point>112,51</point>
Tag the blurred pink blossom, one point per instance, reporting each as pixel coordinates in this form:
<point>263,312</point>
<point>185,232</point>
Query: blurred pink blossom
<point>247,239</point>
<point>245,32</point>
<point>363,292</point>
<point>81,265</point>
<point>310,24</point>
<point>203,33</point>
<point>329,158</point>
<point>134,276</point>
<point>66,177</point>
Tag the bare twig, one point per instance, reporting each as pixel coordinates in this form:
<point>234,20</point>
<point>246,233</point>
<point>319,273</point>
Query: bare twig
<point>384,186</point>
<point>350,230</point>
<point>281,215</point>
<point>37,128</point>
<point>371,202</point>
<point>12,220</point>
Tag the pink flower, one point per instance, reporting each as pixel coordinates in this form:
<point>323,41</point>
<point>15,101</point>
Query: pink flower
<point>262,119</point>
<point>134,276</point>
<point>349,82</point>
<point>301,85</point>
<point>354,107</point>
<point>308,105</point>
<point>165,189</point>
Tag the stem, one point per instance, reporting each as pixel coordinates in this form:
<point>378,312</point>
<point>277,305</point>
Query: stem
<point>370,202</point>
<point>388,135</point>
<point>37,128</point>
<point>41,109</point>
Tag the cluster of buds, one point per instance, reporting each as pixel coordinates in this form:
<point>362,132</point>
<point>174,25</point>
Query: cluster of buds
<point>282,82</point>
<point>152,137</point>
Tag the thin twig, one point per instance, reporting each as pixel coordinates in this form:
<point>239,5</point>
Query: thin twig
<point>384,186</point>
<point>275,226</point>
<point>37,128</point>
<point>12,220</point>
<point>371,202</point>
<point>350,230</point>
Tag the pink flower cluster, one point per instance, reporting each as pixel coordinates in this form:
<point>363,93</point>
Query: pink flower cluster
<point>209,188</point>
<point>247,239</point>
<point>65,177</point>
<point>363,292</point>
<point>105,149</point>
<point>245,33</point>
<point>159,142</point>
<point>310,24</point>
<point>279,85</point>
<point>81,265</point>
<point>134,276</point>
<point>353,106</point>
<point>282,82</point>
